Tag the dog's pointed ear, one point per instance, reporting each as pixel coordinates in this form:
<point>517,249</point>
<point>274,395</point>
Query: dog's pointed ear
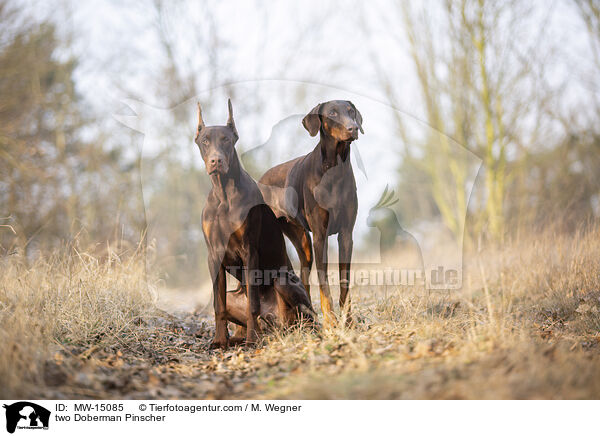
<point>312,120</point>
<point>358,118</point>
<point>230,121</point>
<point>200,122</point>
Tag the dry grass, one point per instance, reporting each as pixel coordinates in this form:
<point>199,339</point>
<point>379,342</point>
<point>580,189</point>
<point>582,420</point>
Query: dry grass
<point>63,300</point>
<point>525,325</point>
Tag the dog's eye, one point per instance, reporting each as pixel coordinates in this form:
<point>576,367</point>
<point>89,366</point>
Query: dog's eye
<point>332,113</point>
<point>205,141</point>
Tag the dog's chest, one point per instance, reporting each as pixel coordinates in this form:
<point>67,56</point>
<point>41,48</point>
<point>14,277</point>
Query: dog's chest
<point>336,193</point>
<point>226,229</point>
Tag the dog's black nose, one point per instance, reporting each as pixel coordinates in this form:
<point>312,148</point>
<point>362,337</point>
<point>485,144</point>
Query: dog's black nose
<point>353,131</point>
<point>215,160</point>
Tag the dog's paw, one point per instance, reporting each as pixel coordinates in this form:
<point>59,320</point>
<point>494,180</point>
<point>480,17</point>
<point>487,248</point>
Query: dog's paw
<point>219,344</point>
<point>237,340</point>
<point>252,337</point>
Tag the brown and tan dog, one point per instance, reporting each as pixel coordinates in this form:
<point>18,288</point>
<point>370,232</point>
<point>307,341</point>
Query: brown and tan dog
<point>245,240</point>
<point>324,195</point>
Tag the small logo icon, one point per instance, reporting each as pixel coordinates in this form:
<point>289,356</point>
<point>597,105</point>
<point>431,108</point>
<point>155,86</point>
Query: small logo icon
<point>26,415</point>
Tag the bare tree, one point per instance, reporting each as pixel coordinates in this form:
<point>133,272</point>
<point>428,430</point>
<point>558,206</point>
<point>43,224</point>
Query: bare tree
<point>480,86</point>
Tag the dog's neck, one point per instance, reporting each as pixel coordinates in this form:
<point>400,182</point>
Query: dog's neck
<point>332,149</point>
<point>224,184</point>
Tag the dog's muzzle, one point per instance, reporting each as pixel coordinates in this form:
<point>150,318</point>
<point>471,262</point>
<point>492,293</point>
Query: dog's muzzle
<point>216,165</point>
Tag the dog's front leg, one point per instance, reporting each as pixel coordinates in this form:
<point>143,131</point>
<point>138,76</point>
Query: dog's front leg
<point>345,244</point>
<point>320,245</point>
<point>221,339</point>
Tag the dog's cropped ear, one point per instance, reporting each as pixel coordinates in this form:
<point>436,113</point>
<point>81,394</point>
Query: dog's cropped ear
<point>200,122</point>
<point>357,118</point>
<point>312,120</point>
<point>230,121</point>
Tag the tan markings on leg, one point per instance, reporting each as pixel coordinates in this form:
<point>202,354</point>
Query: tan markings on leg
<point>327,308</point>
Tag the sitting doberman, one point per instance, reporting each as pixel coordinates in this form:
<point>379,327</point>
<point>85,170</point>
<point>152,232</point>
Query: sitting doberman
<point>324,197</point>
<point>244,239</point>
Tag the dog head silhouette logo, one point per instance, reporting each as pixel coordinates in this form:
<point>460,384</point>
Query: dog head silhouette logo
<point>26,415</point>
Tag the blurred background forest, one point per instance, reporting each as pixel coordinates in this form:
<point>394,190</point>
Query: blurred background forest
<point>516,83</point>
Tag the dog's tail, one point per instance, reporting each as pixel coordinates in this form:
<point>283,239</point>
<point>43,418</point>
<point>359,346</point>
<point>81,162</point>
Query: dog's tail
<point>308,311</point>
<point>310,316</point>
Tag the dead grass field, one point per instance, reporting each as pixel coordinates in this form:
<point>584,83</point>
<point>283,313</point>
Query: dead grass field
<point>525,325</point>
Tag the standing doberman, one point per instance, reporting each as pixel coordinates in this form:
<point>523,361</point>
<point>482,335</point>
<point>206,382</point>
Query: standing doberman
<point>244,239</point>
<point>323,198</point>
